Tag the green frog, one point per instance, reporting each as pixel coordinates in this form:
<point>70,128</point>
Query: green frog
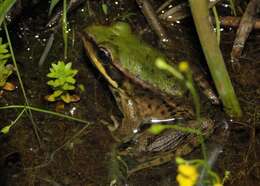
<point>144,94</point>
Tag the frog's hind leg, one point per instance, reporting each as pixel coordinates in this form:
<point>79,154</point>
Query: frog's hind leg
<point>160,159</point>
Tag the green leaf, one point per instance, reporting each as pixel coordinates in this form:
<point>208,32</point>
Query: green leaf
<point>180,160</point>
<point>68,87</point>
<point>6,129</point>
<point>156,129</point>
<point>5,70</point>
<point>51,83</point>
<point>57,93</point>
<point>68,66</point>
<point>104,8</point>
<point>66,98</point>
<point>53,4</point>
<point>51,98</point>
<point>70,80</point>
<point>5,6</point>
<point>74,72</point>
<point>81,87</point>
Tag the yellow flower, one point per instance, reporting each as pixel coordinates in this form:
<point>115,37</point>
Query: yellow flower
<point>184,66</point>
<point>184,181</point>
<point>187,175</point>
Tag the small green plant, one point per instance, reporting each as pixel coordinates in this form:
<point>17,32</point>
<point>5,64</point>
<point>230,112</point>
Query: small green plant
<point>63,82</point>
<point>5,70</point>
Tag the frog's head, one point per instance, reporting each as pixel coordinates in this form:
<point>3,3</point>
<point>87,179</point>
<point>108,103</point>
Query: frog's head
<point>108,34</point>
<point>102,44</point>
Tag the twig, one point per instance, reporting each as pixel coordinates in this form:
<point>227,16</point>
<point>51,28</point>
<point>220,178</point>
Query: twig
<point>163,6</point>
<point>178,12</point>
<point>152,19</point>
<point>46,50</point>
<point>245,27</point>
<point>234,21</point>
<point>54,21</point>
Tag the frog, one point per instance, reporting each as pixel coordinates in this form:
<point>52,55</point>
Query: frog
<point>143,93</point>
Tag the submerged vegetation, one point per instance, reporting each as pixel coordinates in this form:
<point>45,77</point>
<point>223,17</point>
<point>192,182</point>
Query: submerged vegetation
<point>84,157</point>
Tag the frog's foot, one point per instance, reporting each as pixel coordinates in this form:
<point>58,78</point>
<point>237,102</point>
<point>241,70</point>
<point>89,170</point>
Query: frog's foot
<point>115,125</point>
<point>111,127</point>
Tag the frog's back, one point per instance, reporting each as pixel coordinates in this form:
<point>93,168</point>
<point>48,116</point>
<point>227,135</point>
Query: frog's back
<point>138,58</point>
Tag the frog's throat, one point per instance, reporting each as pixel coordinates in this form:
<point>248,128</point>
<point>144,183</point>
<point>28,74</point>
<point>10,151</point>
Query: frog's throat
<point>91,53</point>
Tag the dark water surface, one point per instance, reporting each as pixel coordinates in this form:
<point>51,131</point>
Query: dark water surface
<point>83,161</point>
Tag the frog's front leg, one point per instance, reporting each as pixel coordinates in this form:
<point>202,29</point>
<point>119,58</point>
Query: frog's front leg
<point>124,129</point>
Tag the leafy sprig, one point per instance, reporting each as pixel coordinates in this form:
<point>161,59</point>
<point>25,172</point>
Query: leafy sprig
<point>5,70</point>
<point>62,81</point>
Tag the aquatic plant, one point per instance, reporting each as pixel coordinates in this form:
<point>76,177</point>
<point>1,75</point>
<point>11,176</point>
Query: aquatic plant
<point>65,29</point>
<point>5,6</point>
<point>21,83</point>
<point>52,5</point>
<point>217,23</point>
<point>63,82</point>
<point>214,58</point>
<point>232,4</point>
<point>24,108</point>
<point>5,70</point>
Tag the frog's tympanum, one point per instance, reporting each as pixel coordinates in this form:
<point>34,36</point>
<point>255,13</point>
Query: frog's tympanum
<point>143,93</point>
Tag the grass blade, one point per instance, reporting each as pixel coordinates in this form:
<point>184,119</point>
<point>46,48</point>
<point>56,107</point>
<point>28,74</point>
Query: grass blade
<point>52,5</point>
<point>208,40</point>
<point>5,6</point>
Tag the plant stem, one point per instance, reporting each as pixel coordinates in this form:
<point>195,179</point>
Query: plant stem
<point>214,57</point>
<point>21,84</point>
<point>5,6</point>
<point>65,29</point>
<point>152,19</point>
<point>18,117</point>
<point>217,22</point>
<point>45,111</point>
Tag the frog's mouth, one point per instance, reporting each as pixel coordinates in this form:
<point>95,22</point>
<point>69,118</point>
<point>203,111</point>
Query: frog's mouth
<point>96,54</point>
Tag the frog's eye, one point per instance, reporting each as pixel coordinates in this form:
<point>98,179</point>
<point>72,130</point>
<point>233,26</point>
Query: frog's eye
<point>106,60</point>
<point>104,56</point>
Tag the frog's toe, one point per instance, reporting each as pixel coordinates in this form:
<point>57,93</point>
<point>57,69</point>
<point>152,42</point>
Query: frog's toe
<point>111,126</point>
